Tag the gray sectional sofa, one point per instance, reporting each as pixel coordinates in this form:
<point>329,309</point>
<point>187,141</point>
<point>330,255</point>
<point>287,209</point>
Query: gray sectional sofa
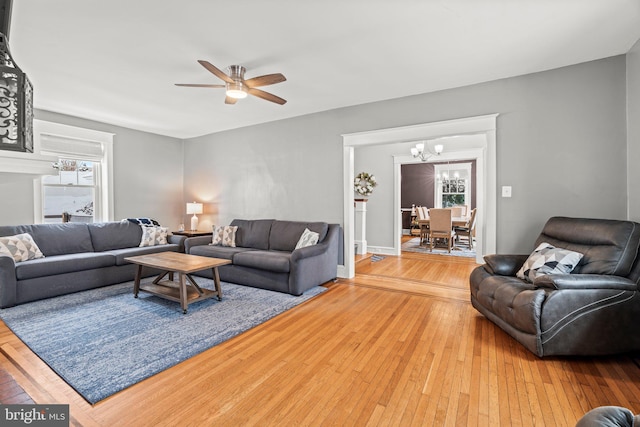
<point>77,257</point>
<point>265,257</point>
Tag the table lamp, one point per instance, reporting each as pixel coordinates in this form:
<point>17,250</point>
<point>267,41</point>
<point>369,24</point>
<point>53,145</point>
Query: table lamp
<point>194,208</point>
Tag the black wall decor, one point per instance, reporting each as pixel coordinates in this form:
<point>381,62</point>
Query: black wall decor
<point>16,94</point>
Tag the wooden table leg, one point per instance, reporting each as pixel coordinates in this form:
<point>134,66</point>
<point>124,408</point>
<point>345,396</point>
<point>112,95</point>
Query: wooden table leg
<point>216,281</point>
<point>183,292</point>
<point>194,284</point>
<point>161,276</point>
<point>136,284</point>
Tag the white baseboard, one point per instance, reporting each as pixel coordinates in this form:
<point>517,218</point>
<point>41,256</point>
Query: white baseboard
<point>342,272</point>
<point>384,250</point>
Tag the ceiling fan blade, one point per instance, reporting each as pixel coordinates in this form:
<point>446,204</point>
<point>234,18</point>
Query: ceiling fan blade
<point>220,74</point>
<point>230,100</point>
<point>267,79</point>
<point>198,85</point>
<point>266,95</point>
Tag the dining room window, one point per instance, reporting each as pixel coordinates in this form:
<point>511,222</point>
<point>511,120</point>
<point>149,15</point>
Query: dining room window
<point>453,185</point>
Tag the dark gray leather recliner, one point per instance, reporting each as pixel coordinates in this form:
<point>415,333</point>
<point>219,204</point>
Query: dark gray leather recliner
<point>592,311</point>
<point>609,416</point>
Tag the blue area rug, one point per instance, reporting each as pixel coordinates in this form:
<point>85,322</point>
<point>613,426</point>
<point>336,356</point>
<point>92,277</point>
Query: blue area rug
<point>104,340</point>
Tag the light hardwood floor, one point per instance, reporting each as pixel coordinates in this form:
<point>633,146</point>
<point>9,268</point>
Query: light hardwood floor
<point>398,345</point>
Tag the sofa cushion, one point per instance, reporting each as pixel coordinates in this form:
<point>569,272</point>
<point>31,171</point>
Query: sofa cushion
<point>20,247</point>
<point>60,264</point>
<point>253,233</point>
<point>547,259</point>
<point>285,234</point>
<point>55,239</point>
<point>107,236</point>
<point>514,301</point>
<point>224,252</point>
<point>275,261</point>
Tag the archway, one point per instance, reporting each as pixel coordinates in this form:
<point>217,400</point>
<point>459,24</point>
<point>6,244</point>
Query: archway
<point>486,156</point>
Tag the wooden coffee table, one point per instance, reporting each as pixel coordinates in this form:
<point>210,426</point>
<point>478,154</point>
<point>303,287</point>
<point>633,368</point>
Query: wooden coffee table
<point>185,290</point>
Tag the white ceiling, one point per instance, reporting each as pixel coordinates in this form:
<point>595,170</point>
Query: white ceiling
<point>117,61</point>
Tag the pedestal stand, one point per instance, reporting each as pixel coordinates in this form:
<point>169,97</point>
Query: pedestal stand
<point>361,226</point>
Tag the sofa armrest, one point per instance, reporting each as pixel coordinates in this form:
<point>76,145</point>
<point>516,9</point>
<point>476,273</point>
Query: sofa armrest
<point>309,251</point>
<point>504,265</point>
<point>8,291</point>
<point>315,265</point>
<point>584,281</point>
<point>177,240</point>
<point>196,241</point>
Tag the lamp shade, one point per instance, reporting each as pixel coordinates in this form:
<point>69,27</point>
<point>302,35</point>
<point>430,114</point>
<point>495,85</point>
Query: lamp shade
<point>194,208</point>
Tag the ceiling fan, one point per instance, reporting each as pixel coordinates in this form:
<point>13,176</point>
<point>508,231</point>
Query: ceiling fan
<point>237,87</point>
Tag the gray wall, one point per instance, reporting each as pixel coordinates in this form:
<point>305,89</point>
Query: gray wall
<point>148,176</point>
<point>561,145</point>
<point>633,129</point>
<point>290,169</point>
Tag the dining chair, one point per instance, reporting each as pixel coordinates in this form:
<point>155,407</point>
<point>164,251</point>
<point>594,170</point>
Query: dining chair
<point>441,227</point>
<point>457,211</point>
<point>469,229</point>
<point>423,214</point>
<point>465,210</point>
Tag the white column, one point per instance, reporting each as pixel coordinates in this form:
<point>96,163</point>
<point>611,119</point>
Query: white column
<point>361,226</point>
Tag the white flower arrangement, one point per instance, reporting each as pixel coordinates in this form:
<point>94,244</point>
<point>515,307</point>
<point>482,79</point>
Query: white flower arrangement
<point>364,183</point>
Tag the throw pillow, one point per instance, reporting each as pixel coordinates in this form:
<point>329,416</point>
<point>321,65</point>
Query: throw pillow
<point>152,236</point>
<point>161,235</point>
<point>143,222</point>
<point>308,238</point>
<point>20,247</point>
<point>548,259</point>
<point>224,235</point>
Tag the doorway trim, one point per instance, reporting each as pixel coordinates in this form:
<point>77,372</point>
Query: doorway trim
<point>465,126</point>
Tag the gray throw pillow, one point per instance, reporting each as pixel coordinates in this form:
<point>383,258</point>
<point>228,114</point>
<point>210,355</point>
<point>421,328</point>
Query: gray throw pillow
<point>547,259</point>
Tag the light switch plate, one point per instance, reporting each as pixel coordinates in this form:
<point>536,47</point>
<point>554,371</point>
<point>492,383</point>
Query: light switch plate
<point>506,191</point>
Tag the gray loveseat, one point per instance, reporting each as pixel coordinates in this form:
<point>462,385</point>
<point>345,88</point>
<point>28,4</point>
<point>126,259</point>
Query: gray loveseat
<point>265,255</point>
<point>594,310</point>
<point>77,257</point>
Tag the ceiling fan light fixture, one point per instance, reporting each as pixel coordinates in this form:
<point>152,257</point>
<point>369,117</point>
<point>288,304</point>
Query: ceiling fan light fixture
<point>236,90</point>
<point>236,87</point>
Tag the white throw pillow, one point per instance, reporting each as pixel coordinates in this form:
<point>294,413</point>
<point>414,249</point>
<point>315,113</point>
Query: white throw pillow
<point>161,235</point>
<point>20,247</point>
<point>224,235</point>
<point>548,259</point>
<point>308,238</point>
<point>152,236</point>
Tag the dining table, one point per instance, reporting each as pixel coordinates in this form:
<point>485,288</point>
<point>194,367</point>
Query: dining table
<point>456,221</point>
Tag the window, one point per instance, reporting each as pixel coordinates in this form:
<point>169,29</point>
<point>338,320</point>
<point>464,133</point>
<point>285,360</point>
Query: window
<point>82,189</point>
<point>70,196</point>
<point>452,185</point>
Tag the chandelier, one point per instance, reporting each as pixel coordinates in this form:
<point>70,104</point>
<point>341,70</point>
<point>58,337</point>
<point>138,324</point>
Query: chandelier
<point>418,152</point>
